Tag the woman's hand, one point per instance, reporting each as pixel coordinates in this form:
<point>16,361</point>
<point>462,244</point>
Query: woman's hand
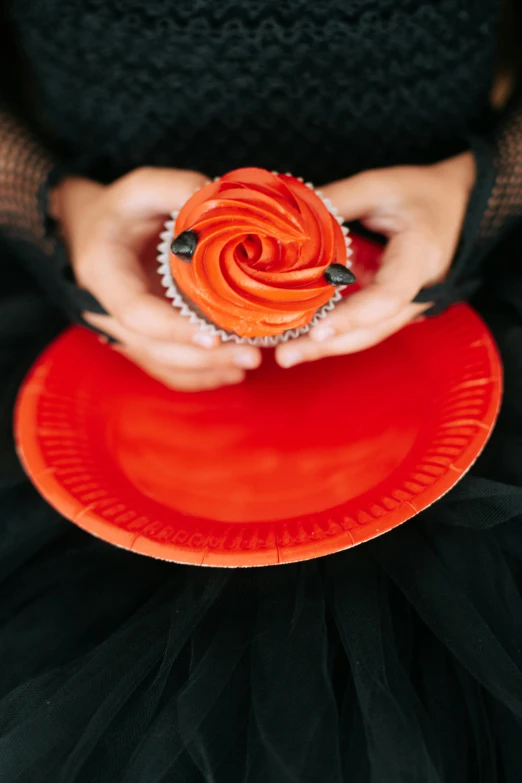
<point>112,232</point>
<point>421,210</point>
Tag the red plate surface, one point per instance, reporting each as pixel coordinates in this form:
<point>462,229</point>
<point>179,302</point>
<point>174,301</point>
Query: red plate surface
<point>290,465</point>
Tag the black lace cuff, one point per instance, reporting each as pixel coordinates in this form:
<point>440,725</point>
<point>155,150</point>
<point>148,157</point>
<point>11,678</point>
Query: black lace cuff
<point>76,300</point>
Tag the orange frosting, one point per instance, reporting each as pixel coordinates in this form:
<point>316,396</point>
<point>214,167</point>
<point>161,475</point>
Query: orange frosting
<point>264,242</point>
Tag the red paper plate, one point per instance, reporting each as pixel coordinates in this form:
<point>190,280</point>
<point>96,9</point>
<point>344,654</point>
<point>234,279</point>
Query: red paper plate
<point>290,465</point>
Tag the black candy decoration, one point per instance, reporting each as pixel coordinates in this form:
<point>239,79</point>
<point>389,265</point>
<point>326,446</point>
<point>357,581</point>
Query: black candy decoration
<point>337,274</point>
<point>184,244</point>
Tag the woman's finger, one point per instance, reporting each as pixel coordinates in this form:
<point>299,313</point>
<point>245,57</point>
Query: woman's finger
<point>182,380</point>
<point>400,278</point>
<point>359,339</point>
<point>179,355</point>
<point>114,274</point>
<point>189,357</point>
<point>145,314</point>
<point>362,194</point>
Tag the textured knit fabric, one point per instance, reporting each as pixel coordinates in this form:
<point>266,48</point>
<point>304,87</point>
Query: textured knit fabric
<point>322,89</point>
<point>398,661</point>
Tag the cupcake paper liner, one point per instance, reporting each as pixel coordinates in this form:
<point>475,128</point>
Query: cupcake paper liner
<point>188,309</point>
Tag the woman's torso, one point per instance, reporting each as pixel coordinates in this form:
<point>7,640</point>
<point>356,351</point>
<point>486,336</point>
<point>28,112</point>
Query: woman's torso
<point>319,89</point>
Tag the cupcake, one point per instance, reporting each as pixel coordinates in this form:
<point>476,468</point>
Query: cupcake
<point>255,257</point>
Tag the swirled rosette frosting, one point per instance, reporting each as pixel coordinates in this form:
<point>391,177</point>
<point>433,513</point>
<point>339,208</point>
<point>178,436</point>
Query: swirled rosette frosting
<point>252,252</point>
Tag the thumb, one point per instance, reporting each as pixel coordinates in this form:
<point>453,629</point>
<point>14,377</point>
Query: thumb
<point>360,195</point>
<point>148,191</point>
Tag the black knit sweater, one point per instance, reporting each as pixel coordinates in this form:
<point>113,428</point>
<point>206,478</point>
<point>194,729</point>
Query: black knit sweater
<point>319,89</point>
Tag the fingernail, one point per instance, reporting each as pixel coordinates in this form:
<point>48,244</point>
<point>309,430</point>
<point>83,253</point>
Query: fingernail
<point>321,333</point>
<point>246,360</point>
<point>291,357</point>
<point>204,339</point>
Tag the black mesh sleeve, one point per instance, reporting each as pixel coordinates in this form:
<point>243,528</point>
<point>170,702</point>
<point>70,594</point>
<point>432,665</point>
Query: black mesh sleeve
<point>24,169</point>
<point>494,209</point>
<point>504,207</point>
<point>27,172</point>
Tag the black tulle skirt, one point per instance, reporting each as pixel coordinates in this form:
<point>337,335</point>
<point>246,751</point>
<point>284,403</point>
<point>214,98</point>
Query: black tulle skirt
<point>399,661</point>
